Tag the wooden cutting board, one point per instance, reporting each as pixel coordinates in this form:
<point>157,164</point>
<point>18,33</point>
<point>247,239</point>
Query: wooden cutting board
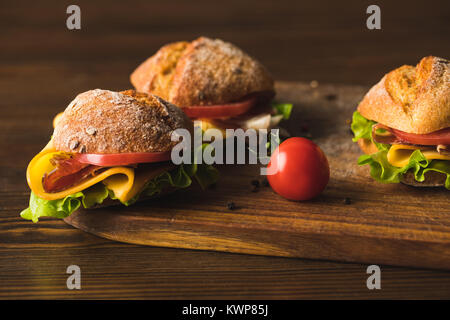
<point>384,223</point>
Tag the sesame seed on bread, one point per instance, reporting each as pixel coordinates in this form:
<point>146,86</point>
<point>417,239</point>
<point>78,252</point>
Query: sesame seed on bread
<point>202,72</point>
<point>103,121</point>
<point>412,99</point>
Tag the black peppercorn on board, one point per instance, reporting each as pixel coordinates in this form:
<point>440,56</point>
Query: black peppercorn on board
<point>355,219</point>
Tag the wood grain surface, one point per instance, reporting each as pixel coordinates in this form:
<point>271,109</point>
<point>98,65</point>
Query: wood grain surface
<point>43,66</point>
<point>383,224</point>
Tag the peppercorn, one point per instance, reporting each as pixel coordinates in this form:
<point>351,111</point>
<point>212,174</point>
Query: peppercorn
<point>231,205</point>
<point>255,183</point>
<point>331,96</point>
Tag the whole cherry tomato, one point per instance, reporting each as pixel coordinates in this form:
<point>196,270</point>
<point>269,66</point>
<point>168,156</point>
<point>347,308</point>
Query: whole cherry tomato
<point>301,169</point>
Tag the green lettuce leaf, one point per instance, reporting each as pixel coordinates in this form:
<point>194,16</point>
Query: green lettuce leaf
<point>62,208</point>
<point>283,109</point>
<point>206,175</point>
<point>95,195</point>
<point>362,129</point>
<point>180,177</point>
<point>380,168</point>
<point>382,171</point>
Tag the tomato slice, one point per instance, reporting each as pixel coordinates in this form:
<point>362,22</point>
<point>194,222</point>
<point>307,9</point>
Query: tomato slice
<point>431,139</point>
<point>221,110</point>
<point>122,159</point>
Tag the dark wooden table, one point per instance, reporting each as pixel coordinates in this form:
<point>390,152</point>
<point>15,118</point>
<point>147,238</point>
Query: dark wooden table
<point>43,66</point>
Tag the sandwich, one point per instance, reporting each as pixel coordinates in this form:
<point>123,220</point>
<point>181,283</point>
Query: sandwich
<point>212,81</point>
<point>110,148</point>
<point>403,125</point>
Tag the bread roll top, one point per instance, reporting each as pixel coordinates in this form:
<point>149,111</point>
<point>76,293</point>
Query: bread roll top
<point>202,72</point>
<point>412,99</point>
<point>103,121</point>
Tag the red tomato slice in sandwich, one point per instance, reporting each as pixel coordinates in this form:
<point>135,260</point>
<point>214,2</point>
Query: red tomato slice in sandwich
<point>122,159</point>
<point>431,139</point>
<point>220,111</point>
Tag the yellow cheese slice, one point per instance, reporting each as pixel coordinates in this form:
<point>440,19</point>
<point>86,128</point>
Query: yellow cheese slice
<point>399,154</point>
<point>125,182</point>
<point>143,174</point>
<point>206,124</point>
<point>120,179</point>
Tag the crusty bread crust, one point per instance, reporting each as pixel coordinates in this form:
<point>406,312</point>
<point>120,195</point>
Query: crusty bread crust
<point>156,73</point>
<point>412,99</point>
<point>102,121</point>
<point>203,72</point>
<point>432,178</point>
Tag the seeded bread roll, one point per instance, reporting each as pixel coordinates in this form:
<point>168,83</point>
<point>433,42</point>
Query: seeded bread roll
<point>202,72</point>
<point>103,121</point>
<point>412,99</point>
